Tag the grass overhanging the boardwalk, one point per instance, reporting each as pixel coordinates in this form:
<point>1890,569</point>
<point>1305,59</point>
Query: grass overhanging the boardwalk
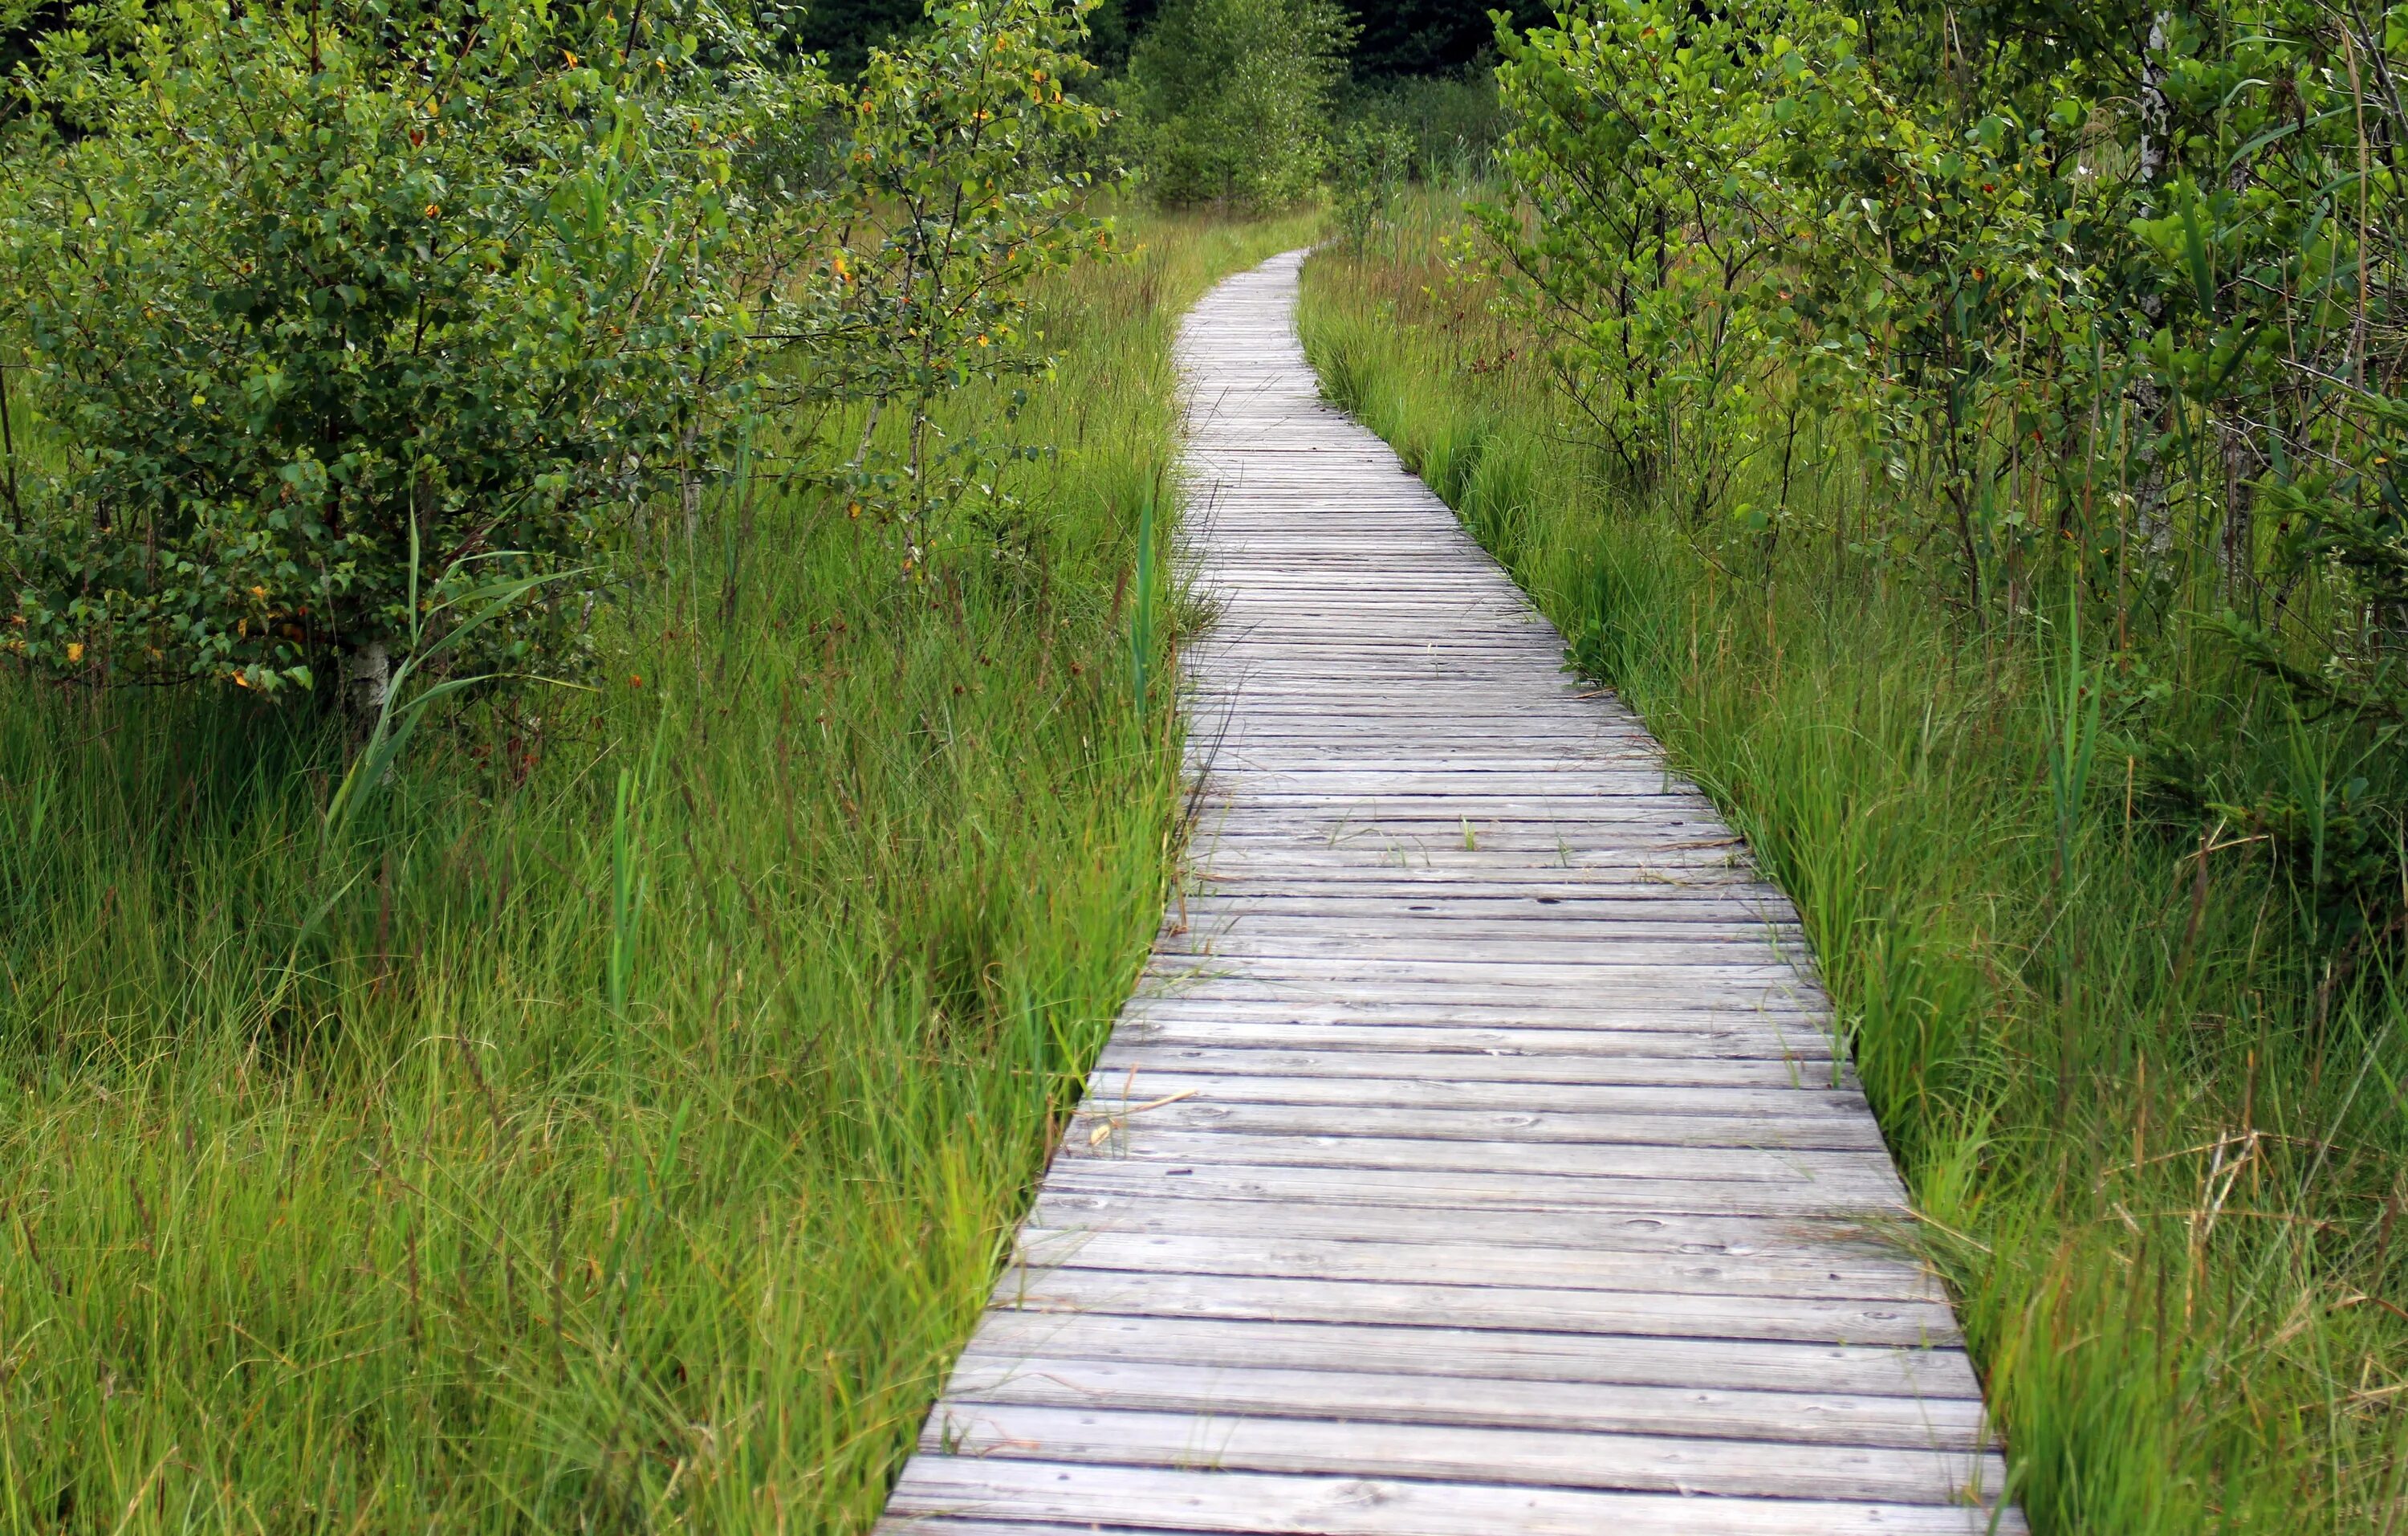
<point>623,1133</point>
<point>2157,1155</point>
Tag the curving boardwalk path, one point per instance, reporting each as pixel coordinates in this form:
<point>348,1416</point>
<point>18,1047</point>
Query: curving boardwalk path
<point>1472,1159</point>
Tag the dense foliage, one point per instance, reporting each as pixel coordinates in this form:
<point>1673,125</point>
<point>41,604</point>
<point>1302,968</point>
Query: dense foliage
<point>339,311</point>
<point>959,184</point>
<point>1230,99</point>
<point>2116,297</point>
<point>307,293</point>
<point>1452,122</point>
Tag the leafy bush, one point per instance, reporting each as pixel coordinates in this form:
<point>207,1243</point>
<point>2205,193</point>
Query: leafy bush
<point>2110,299</point>
<point>1232,98</point>
<point>1372,165</point>
<point>1452,122</point>
<point>961,183</point>
<point>1647,143</point>
<point>324,292</point>
<point>334,310</point>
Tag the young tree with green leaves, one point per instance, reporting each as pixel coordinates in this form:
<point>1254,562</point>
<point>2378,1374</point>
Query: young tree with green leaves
<point>960,183</point>
<point>332,306</point>
<point>1674,227</point>
<point>1230,99</point>
<point>1372,161</point>
<point>340,315</point>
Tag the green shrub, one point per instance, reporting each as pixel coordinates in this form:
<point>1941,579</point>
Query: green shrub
<point>1452,122</point>
<point>1661,265</point>
<point>1231,99</point>
<point>961,182</point>
<point>2145,341</point>
<point>1372,163</point>
<point>391,299</point>
<point>324,289</point>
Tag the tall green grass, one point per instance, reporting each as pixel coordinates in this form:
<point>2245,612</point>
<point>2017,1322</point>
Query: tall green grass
<point>2156,1138</point>
<point>620,1128</point>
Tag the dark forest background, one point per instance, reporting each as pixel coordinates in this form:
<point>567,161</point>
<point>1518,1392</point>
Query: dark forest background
<point>1419,39</point>
<point>1393,41</point>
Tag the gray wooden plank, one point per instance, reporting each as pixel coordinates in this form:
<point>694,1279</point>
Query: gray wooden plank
<point>1732,950</point>
<point>1266,1139</point>
<point>1443,1044</point>
<point>1186,994</point>
<point>1283,1254</point>
<point>1580,1235</point>
<point>1818,1417</point>
<point>1739,917</point>
<point>1590,1458</point>
<point>1924,1373</point>
<point>1644,1186</point>
<point>953,1488</point>
<point>1119,1069</point>
<point>1566,1141</point>
<point>1672,1313</point>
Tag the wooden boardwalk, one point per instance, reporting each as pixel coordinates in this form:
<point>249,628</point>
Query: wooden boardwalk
<point>1472,1159</point>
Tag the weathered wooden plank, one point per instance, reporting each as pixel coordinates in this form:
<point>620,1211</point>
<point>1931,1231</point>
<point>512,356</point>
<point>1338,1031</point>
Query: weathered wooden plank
<point>1270,1137</point>
<point>1719,928</point>
<point>1190,1023</point>
<point>1443,1057</point>
<point>1733,948</point>
<point>1674,1313</point>
<point>1637,784</point>
<point>1671,915</point>
<point>1924,1374</point>
<point>1130,1072</point>
<point>1566,838</point>
<point>1288,1254</point>
<point>1766,1033</point>
<point>1637,960</point>
<point>1581,1233</point>
<point>1722,993</point>
<point>1552,1134</point>
<point>1723,989</point>
<point>1852,1194</point>
<point>1818,1417</point>
<point>1372,896</point>
<point>1400,871</point>
<point>1594,1459</point>
<point>1112,1093</point>
<point>1431,849</point>
<point>1181,1500</point>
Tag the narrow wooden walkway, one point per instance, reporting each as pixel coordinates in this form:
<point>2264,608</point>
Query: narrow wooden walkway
<point>1472,1159</point>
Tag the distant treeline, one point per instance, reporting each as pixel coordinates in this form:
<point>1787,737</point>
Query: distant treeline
<point>1414,37</point>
